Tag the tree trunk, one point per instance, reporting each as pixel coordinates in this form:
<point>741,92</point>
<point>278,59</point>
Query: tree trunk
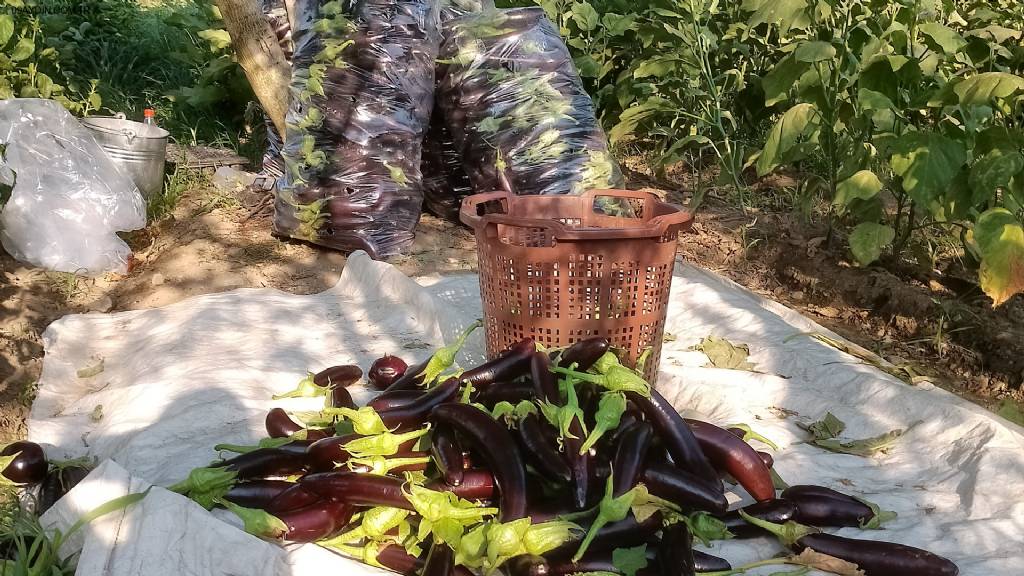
<point>260,56</point>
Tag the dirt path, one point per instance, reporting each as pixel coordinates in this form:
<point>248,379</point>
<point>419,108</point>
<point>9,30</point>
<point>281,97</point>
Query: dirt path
<point>210,244</point>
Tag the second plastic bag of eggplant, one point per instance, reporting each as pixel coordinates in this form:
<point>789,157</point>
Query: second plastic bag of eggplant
<point>362,92</point>
<point>516,107</point>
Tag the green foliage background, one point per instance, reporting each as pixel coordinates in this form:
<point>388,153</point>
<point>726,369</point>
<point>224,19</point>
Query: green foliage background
<point>905,116</point>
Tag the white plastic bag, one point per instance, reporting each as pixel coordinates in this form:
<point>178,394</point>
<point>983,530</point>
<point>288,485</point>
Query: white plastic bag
<point>68,199</point>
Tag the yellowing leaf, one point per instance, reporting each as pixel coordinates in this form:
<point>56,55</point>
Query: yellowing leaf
<point>863,185</point>
<point>6,28</point>
<point>23,49</point>
<point>981,89</point>
<point>725,354</point>
<point>799,123</point>
<point>868,239</point>
<point>1000,239</point>
<point>218,39</point>
<point>814,51</point>
<point>826,428</point>
<point>947,39</point>
<point>866,447</point>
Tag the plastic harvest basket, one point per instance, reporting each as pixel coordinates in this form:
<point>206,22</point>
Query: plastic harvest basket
<point>561,268</point>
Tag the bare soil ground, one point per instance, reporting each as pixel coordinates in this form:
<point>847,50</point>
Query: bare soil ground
<point>214,241</point>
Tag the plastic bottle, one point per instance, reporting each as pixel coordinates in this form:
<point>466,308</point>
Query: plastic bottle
<point>149,116</point>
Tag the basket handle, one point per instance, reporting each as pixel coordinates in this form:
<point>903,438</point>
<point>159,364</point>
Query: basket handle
<point>468,212</point>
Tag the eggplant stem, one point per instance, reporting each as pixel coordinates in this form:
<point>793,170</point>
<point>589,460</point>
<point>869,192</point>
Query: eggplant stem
<point>748,567</point>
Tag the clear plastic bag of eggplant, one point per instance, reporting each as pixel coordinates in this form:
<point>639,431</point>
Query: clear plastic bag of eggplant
<point>362,92</point>
<point>516,108</point>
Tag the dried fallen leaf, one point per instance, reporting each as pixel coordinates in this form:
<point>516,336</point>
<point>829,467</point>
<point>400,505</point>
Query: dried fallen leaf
<point>866,447</point>
<point>725,354</point>
<point>826,563</point>
<point>90,371</point>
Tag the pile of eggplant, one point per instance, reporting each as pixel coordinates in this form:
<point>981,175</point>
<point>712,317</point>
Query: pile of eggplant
<point>538,462</point>
<point>362,92</point>
<point>516,108</point>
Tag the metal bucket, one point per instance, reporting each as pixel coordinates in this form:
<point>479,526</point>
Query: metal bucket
<point>137,149</point>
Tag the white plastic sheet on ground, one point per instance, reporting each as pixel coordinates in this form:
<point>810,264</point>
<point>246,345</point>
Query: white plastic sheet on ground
<point>179,379</point>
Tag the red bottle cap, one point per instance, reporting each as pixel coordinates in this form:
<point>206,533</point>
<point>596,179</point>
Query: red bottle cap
<point>149,113</point>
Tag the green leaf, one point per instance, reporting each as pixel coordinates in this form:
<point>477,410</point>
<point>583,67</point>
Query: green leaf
<point>218,39</point>
<point>944,37</point>
<point>782,77</point>
<point>587,66</point>
<point>631,117</point>
<point>656,67</point>
<point>6,28</point>
<point>863,185</point>
<point>706,527</point>
<point>786,14</point>
<point>927,162</point>
<point>725,354</point>
<point>630,560</point>
<point>119,503</point>
<point>827,427</point>
<point>585,16</point>
<point>44,84</point>
<point>992,172</point>
<point>617,24</point>
<point>90,371</point>
<point>868,239</point>
<point>815,51</point>
<point>982,89</point>
<point>15,3</point>
<point>1000,239</point>
<point>798,123</point>
<point>23,49</point>
<point>871,100</point>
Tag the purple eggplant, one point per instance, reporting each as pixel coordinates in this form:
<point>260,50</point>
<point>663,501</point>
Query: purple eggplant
<point>675,553</point>
<point>704,562</point>
<point>280,425</point>
<point>316,522</point>
<point>622,534</point>
<point>358,489</point>
<point>686,490</point>
<point>507,366</point>
<point>338,376</point>
<point>326,454</point>
<point>413,415</point>
<point>511,392</point>
<point>629,458</point>
<point>731,454</point>
<point>820,506</point>
<point>440,560</point>
<point>395,399</point>
<point>412,379</point>
<point>878,558</point>
<point>294,497</point>
<point>777,510</point>
<point>477,484</point>
<point>265,463</point>
<point>29,466</point>
<point>494,442</point>
<point>584,353</point>
<point>540,452</point>
<point>528,565</point>
<point>676,435</point>
<point>257,493</point>
<point>385,371</point>
<point>447,452</point>
<point>341,398</point>
<point>545,385</point>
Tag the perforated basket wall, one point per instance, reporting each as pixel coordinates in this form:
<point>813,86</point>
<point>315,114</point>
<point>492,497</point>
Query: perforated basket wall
<point>562,268</point>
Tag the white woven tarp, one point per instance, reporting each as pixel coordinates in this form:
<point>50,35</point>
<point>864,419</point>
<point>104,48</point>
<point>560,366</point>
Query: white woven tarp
<point>179,379</point>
